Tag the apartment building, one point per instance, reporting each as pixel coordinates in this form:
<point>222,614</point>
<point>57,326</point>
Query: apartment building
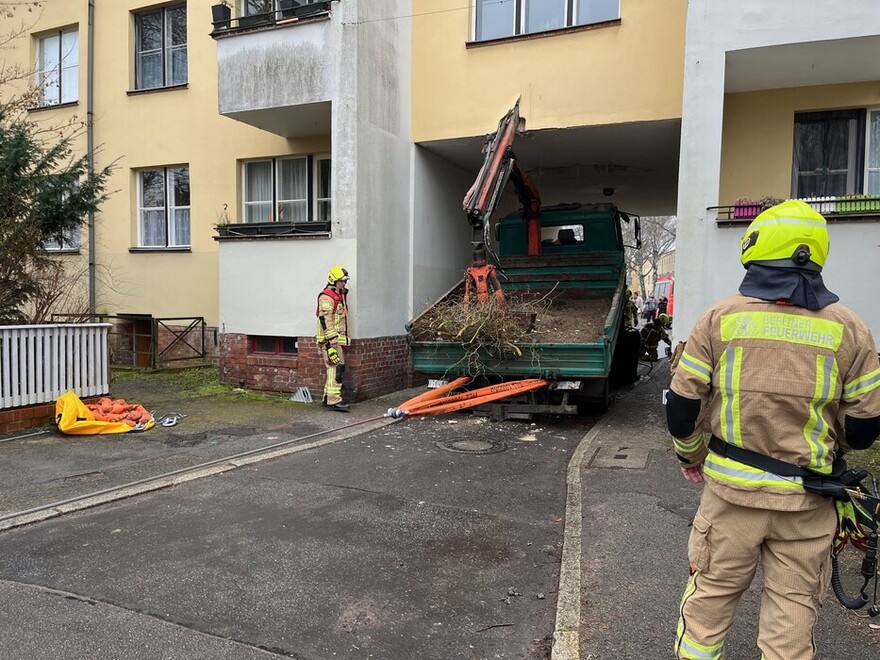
<point>781,100</point>
<point>260,142</point>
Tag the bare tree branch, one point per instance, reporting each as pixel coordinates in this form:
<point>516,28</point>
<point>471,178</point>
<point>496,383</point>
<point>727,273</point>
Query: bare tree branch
<point>658,239</point>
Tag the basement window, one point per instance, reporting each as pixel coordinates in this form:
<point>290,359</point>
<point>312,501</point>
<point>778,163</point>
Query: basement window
<point>262,345</point>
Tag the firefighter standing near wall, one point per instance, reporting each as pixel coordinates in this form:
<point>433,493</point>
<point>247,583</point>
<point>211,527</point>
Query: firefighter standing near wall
<point>787,373</point>
<point>332,313</point>
<point>481,281</point>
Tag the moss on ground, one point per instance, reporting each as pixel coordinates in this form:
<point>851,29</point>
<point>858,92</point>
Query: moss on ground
<point>194,383</point>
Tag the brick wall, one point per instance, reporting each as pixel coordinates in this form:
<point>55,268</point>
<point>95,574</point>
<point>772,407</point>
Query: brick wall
<point>187,345</point>
<point>29,417</point>
<point>373,367</point>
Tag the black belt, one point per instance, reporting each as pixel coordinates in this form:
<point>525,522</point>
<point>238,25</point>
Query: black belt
<point>756,460</point>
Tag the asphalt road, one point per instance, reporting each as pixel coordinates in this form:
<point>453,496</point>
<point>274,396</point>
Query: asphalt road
<point>378,546</point>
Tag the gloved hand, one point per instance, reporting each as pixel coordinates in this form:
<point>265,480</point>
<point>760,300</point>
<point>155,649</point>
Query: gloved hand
<point>333,355</point>
<point>694,474</point>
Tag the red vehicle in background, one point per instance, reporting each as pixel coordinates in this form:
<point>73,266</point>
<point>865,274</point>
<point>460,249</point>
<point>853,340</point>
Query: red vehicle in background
<point>665,286</point>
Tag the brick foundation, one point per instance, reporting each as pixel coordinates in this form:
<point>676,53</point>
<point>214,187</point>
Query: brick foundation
<point>373,367</point>
<point>30,417</point>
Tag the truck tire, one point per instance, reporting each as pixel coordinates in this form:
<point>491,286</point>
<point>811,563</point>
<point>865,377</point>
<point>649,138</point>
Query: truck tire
<point>625,361</point>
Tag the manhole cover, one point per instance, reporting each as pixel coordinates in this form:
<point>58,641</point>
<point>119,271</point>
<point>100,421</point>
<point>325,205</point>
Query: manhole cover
<point>472,446</point>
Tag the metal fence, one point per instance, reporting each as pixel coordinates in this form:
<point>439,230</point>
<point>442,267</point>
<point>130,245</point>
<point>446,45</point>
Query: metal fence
<point>39,363</point>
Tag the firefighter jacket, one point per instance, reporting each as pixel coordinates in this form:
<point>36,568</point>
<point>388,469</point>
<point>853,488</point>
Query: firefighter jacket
<point>775,379</point>
<point>332,314</point>
<point>630,314</point>
<point>652,334</point>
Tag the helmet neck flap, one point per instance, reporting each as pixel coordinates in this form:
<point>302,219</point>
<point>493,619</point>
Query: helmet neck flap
<point>796,286</point>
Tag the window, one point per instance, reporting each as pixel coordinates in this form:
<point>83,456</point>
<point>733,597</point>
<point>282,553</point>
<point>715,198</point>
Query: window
<point>873,169</point>
<point>496,19</point>
<point>69,240</point>
<point>161,48</point>
<point>292,189</point>
<point>828,153</point>
<point>283,7</point>
<point>58,67</point>
<point>274,345</point>
<point>164,207</point>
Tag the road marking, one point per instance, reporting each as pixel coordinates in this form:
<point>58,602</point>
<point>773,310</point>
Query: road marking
<point>566,635</point>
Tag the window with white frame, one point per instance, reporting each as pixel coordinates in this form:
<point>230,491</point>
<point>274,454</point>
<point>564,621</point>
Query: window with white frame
<point>496,19</point>
<point>164,207</point>
<point>287,189</point>
<point>58,67</point>
<point>872,174</point>
<point>160,47</point>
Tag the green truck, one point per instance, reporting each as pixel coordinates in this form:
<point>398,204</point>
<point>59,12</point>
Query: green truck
<point>585,275</point>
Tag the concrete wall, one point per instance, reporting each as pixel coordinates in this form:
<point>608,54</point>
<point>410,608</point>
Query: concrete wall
<point>606,75</point>
<point>442,235</point>
<point>707,255</point>
<point>381,125</point>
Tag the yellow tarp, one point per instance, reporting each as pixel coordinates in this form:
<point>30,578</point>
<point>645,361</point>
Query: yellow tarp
<point>73,418</point>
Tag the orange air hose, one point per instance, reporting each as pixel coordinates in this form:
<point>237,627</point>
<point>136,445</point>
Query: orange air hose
<point>422,405</point>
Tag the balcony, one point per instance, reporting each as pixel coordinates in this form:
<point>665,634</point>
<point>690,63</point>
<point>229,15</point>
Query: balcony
<point>847,208</point>
<point>278,71</point>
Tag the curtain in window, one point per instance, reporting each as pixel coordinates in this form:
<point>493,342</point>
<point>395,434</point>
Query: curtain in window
<point>828,153</point>
<point>149,61</point>
<point>495,19</point>
<point>322,190</point>
<point>596,11</point>
<point>258,191</point>
<point>69,66</point>
<point>873,184</point>
<point>293,190</point>
<point>49,78</point>
<point>544,15</point>
<point>178,181</point>
<point>175,31</point>
<point>153,208</point>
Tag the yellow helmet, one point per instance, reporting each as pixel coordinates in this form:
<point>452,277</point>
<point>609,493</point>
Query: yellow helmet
<point>336,273</point>
<point>791,234</point>
<point>663,318</point>
<point>628,292</point>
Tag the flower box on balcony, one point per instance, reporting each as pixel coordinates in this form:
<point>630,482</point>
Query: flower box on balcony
<point>857,204</point>
<point>746,208</point>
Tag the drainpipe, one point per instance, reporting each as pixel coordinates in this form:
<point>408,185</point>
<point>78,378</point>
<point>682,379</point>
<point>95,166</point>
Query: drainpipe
<point>90,148</point>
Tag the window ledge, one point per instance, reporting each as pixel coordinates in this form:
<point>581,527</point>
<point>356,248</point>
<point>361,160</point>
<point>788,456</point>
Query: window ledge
<point>168,88</point>
<point>134,250</point>
<point>62,251</point>
<point>541,35</point>
<point>54,106</point>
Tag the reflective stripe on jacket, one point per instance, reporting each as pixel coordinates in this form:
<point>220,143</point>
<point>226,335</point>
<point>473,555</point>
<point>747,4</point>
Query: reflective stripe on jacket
<point>777,380</point>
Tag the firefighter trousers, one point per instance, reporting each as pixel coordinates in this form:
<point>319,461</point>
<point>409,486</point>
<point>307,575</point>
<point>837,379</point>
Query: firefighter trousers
<point>725,545</point>
<point>333,383</point>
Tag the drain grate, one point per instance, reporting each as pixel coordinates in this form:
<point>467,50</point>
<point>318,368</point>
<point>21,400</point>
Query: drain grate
<point>472,446</point>
<point>621,456</point>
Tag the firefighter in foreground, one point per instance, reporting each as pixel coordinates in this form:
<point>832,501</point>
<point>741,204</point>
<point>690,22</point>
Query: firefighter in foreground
<point>481,281</point>
<point>786,377</point>
<point>332,313</point>
<point>652,334</point>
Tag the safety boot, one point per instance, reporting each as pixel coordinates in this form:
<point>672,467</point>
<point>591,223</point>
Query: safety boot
<point>340,407</point>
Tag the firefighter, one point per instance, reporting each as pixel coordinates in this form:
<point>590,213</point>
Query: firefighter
<point>481,280</point>
<point>332,313</point>
<point>652,334</point>
<point>630,311</point>
<point>787,378</point>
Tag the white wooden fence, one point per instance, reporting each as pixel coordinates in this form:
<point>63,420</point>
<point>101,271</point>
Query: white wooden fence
<point>39,363</point>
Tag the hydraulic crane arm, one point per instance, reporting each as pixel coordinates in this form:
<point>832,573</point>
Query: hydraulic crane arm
<point>500,164</point>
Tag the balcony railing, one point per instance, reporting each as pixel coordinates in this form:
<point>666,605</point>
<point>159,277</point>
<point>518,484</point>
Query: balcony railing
<point>316,228</point>
<point>847,207</point>
<point>286,12</point>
